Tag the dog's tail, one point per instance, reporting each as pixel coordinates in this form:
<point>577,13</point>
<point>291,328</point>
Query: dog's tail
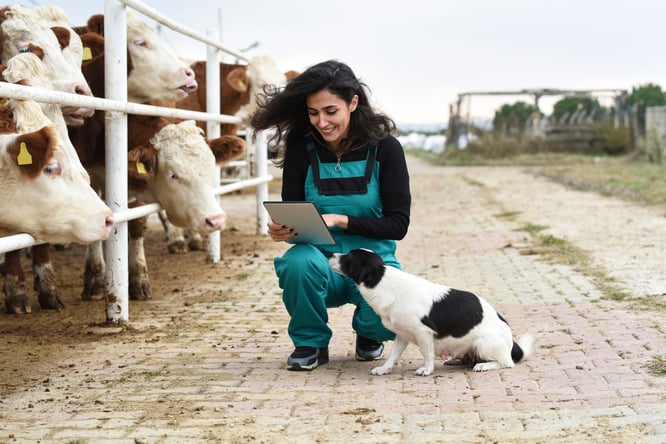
<point>523,348</point>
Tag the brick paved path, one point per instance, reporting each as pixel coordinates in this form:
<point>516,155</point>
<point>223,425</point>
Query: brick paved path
<point>212,369</point>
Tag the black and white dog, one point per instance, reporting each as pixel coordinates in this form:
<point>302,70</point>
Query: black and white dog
<point>440,320</point>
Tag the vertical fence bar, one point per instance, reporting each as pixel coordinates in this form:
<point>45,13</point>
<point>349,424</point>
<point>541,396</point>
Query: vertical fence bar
<point>115,88</point>
<point>213,130</point>
<point>261,169</point>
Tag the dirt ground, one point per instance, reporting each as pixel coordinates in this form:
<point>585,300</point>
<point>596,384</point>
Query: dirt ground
<point>68,367</point>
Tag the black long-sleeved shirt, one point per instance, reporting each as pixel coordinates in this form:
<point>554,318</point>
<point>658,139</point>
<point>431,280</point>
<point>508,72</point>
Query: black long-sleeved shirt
<point>393,186</point>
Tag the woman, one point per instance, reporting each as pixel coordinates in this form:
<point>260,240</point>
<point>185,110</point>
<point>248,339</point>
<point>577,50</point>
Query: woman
<point>340,154</point>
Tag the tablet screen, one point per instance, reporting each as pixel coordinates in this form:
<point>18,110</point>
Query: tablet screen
<point>304,218</point>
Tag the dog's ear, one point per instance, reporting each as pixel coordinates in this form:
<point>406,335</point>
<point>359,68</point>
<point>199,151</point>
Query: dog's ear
<point>370,275</point>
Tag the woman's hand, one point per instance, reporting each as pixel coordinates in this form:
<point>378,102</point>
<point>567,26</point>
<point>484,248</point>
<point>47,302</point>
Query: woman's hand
<point>336,220</point>
<point>279,232</point>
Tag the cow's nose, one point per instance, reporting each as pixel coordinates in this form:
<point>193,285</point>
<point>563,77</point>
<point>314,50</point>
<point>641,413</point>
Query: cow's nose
<point>82,89</point>
<point>191,83</point>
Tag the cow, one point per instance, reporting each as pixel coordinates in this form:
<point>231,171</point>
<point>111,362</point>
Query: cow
<point>42,193</point>
<point>154,71</point>
<point>239,86</point>
<point>152,60</point>
<point>169,162</point>
<point>44,32</point>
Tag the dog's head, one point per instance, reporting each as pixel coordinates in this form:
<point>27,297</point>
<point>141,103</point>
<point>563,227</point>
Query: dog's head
<point>363,266</point>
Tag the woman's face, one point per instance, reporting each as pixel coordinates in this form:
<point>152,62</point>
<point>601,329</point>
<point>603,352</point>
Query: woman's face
<point>330,114</point>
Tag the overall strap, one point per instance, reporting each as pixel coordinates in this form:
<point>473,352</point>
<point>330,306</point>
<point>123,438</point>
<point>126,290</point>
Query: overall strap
<point>344,185</point>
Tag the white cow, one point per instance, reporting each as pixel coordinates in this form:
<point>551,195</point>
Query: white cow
<point>155,72</point>
<point>42,193</point>
<point>43,32</point>
<point>174,165</point>
<point>28,69</point>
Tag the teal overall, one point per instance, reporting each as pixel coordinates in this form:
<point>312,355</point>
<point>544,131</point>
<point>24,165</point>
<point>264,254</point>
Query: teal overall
<point>308,283</point>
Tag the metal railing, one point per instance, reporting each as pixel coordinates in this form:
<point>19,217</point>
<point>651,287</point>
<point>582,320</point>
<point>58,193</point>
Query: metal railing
<point>116,106</point>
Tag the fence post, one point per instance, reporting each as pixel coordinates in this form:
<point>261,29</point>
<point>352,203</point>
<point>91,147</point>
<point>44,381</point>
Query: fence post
<point>115,88</point>
<point>213,130</point>
<point>261,169</point>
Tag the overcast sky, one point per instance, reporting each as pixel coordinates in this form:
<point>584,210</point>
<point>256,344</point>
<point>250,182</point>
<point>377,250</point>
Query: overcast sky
<point>418,55</point>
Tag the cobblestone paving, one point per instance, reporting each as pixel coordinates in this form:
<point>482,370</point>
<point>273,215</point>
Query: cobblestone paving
<point>212,369</point>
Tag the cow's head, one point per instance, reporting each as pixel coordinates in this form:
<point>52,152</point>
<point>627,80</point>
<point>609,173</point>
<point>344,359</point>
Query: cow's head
<point>27,69</point>
<point>44,32</point>
<point>177,167</point>
<point>154,70</point>
<point>262,72</point>
<point>41,193</point>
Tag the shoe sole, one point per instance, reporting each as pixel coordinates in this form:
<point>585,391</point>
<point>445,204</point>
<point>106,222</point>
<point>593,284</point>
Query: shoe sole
<point>296,367</point>
<point>362,359</point>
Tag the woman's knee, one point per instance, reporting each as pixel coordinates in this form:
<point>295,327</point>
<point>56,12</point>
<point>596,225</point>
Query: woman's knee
<point>301,259</point>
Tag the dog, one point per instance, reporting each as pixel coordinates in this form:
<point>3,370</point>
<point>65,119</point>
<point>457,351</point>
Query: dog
<point>440,320</point>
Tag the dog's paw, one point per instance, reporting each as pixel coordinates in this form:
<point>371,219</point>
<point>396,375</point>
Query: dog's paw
<point>383,370</point>
<point>485,366</point>
<point>423,371</point>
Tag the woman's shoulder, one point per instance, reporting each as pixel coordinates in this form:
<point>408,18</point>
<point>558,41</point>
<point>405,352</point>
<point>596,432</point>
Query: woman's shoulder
<point>389,147</point>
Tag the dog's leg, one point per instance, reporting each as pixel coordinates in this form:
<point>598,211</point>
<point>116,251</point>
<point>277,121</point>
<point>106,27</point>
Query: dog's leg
<point>396,351</point>
<point>426,344</point>
<point>496,356</point>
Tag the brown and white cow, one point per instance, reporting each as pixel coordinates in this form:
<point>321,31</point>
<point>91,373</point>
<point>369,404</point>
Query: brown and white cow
<point>154,71</point>
<point>239,86</point>
<point>50,55</point>
<point>44,32</point>
<point>171,163</point>
<point>41,192</point>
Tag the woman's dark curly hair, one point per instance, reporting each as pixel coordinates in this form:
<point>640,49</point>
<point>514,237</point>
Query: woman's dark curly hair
<point>286,109</point>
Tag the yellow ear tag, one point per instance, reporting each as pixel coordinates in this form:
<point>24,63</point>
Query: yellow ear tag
<point>24,157</point>
<point>4,100</point>
<point>141,168</point>
<point>87,54</point>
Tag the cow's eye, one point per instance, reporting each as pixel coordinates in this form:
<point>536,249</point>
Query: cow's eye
<point>24,49</point>
<point>173,177</point>
<point>140,43</point>
<point>53,169</point>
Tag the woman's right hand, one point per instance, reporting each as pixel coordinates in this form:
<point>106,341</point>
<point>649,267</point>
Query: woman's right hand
<point>279,232</point>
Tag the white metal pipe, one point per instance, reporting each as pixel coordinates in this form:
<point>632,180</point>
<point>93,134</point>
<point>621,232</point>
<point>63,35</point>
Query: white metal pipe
<point>116,102</point>
<point>226,189</point>
<point>136,212</point>
<point>213,131</point>
<point>115,88</point>
<point>261,169</point>
<point>17,241</point>
<point>11,90</point>
<point>166,21</point>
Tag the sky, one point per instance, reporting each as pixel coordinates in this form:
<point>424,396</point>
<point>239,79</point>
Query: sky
<point>417,56</point>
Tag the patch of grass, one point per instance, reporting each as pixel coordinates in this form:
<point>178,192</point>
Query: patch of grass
<point>657,365</point>
<point>625,177</point>
<point>560,251</point>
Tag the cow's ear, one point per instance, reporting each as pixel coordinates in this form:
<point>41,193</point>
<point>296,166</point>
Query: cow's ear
<point>227,148</point>
<point>93,45</point>
<point>238,79</point>
<point>30,152</point>
<point>63,35</point>
<point>289,75</point>
<point>141,164</point>
<point>96,24</point>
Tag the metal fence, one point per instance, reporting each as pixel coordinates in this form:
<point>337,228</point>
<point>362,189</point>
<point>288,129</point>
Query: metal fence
<point>116,106</point>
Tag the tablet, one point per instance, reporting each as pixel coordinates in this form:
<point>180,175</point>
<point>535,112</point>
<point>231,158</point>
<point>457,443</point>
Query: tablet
<point>304,218</point>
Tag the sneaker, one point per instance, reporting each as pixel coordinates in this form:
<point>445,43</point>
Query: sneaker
<point>307,358</point>
<point>368,349</point>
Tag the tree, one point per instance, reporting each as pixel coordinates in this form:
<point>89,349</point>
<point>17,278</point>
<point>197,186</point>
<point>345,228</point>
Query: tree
<point>644,96</point>
<point>510,119</point>
<point>568,105</point>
